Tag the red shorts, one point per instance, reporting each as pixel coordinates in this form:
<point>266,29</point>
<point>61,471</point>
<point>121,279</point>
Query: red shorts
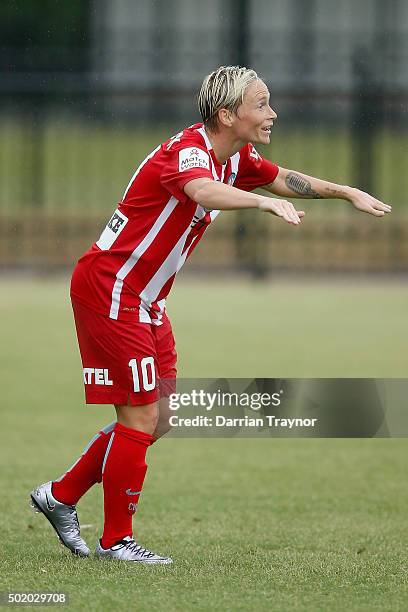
<point>124,361</point>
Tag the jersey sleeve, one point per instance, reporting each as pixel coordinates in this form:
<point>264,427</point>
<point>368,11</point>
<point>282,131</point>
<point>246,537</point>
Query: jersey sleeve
<point>184,163</point>
<point>254,171</point>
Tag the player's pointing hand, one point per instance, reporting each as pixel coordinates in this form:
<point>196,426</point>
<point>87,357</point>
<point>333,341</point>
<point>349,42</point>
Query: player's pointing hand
<point>282,208</point>
<point>366,203</point>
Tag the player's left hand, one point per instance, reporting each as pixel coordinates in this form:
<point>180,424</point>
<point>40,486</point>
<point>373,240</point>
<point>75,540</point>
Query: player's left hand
<point>366,203</point>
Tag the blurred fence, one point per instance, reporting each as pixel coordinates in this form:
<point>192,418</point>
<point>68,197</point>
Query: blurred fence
<point>339,243</point>
<point>77,118</point>
<point>62,174</point>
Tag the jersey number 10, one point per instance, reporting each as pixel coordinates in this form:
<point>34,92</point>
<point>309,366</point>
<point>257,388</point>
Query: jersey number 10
<point>146,369</point>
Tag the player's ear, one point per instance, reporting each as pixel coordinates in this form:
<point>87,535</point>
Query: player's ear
<point>225,117</point>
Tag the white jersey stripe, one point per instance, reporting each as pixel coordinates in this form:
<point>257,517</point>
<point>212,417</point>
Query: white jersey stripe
<point>176,257</point>
<point>137,253</point>
<point>209,147</point>
<point>234,159</point>
<point>213,213</point>
<point>203,133</point>
<point>139,169</point>
<point>162,305</point>
<point>214,172</point>
<point>169,267</point>
<point>144,316</point>
<point>234,165</point>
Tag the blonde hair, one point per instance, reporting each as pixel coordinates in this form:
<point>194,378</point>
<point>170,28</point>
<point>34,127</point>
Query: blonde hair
<point>223,88</point>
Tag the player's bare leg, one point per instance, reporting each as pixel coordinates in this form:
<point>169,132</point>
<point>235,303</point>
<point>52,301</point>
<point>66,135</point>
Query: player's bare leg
<point>123,473</point>
<point>142,418</point>
<point>163,424</point>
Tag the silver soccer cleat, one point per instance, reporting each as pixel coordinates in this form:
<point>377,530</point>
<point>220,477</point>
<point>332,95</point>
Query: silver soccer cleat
<point>128,550</point>
<point>63,518</point>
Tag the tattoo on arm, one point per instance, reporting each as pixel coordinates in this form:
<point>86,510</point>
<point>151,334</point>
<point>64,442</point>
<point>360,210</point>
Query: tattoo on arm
<point>301,185</point>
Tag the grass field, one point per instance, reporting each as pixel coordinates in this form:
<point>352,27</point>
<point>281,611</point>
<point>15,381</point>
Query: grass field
<point>281,524</point>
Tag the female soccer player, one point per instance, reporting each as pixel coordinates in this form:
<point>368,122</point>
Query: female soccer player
<point>119,289</point>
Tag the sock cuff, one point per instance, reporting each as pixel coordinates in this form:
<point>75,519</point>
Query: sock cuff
<point>134,434</point>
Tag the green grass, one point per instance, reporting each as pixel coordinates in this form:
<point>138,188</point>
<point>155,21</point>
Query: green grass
<point>280,524</point>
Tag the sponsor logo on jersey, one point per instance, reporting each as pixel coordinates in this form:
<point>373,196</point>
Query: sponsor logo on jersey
<point>97,376</point>
<point>112,230</point>
<point>115,223</point>
<point>231,178</point>
<point>193,158</point>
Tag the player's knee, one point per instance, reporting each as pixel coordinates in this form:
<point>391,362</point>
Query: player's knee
<point>163,424</point>
<point>143,418</point>
<point>163,427</point>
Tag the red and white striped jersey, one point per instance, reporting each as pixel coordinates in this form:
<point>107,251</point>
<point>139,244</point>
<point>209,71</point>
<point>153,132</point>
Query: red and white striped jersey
<point>129,271</point>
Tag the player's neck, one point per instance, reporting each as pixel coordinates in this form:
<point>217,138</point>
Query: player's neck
<point>224,146</point>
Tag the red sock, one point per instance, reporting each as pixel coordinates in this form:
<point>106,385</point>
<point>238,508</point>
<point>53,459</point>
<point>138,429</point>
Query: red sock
<point>85,472</point>
<point>123,474</point>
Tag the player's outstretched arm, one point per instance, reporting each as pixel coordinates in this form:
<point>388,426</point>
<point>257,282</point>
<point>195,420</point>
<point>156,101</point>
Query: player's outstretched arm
<point>213,195</point>
<point>293,184</point>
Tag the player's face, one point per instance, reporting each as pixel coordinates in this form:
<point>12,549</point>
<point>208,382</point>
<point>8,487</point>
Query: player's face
<point>254,117</point>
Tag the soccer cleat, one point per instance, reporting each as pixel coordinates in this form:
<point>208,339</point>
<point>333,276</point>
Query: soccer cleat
<point>62,517</point>
<point>128,550</point>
